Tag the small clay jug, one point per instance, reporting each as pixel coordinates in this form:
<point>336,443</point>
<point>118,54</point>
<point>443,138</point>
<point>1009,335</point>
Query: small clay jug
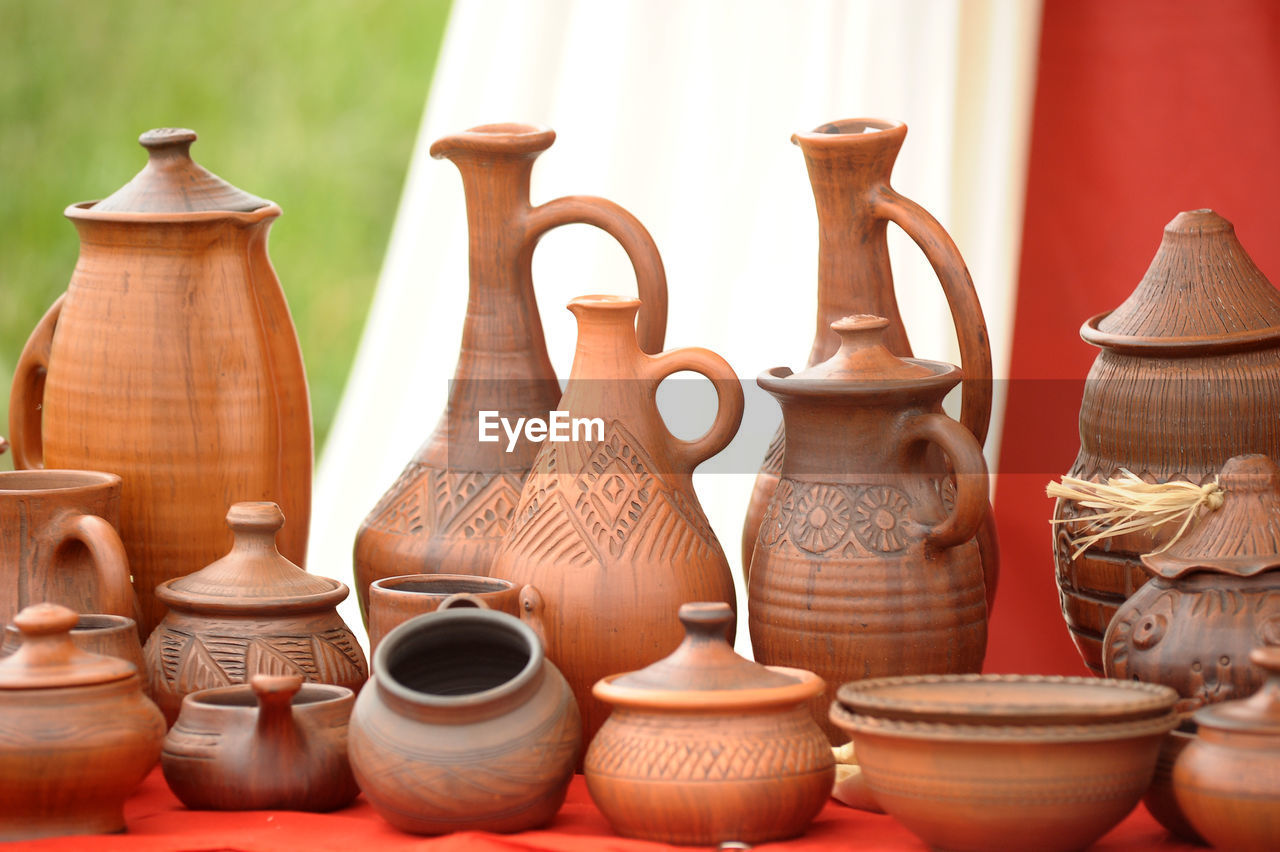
<point>1188,376</point>
<point>849,163</point>
<point>609,530</point>
<point>704,747</point>
<point>272,744</point>
<point>77,734</point>
<point>1227,781</point>
<point>449,509</point>
<point>94,633</point>
<point>465,725</point>
<point>250,612</point>
<point>395,600</point>
<point>865,565</point>
<point>172,361</point>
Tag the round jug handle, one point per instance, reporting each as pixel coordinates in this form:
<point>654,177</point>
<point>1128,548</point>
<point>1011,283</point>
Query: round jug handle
<point>109,561</point>
<point>464,600</point>
<point>614,220</point>
<point>966,311</point>
<point>26,399</point>
<point>729,400</point>
<point>970,475</point>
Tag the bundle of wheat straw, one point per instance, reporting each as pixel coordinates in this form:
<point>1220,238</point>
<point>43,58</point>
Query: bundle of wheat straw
<point>1128,504</point>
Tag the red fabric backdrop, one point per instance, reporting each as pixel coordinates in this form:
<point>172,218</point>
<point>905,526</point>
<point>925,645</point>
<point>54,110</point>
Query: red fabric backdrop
<point>1143,108</point>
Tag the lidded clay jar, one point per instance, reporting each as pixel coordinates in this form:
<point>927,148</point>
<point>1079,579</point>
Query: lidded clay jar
<point>704,747</point>
<point>77,734</point>
<point>1227,780</point>
<point>251,612</point>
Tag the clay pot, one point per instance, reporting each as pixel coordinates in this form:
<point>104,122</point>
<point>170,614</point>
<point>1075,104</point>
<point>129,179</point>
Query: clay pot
<point>1160,799</point>
<point>107,635</point>
<point>77,735</point>
<point>1213,596</point>
<point>58,542</point>
<point>704,747</point>
<point>250,612</point>
<point>395,600</point>
<point>1188,373</point>
<point>1022,763</point>
<point>465,725</point>
<point>448,511</point>
<point>1227,781</point>
<point>172,361</point>
<point>609,529</point>
<point>849,165</point>
<point>864,529</point>
<point>271,744</point>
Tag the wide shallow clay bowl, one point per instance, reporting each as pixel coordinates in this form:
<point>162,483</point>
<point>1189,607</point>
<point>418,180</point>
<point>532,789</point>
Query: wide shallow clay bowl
<point>1018,763</point>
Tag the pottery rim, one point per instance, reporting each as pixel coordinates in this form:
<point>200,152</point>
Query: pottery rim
<point>807,684</point>
<point>27,483</point>
<point>241,696</point>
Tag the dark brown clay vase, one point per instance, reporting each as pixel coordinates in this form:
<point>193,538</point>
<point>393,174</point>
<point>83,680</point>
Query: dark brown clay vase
<point>250,612</point>
<point>1227,781</point>
<point>849,163</point>
<point>449,509</point>
<point>465,725</point>
<point>77,734</point>
<point>1188,376</point>
<point>274,743</point>
<point>704,747</point>
<point>609,530</point>
<point>865,564</point>
<point>395,600</point>
<point>172,361</point>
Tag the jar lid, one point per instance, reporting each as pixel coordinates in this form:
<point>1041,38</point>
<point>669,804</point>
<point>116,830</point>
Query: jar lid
<point>1257,714</point>
<point>704,672</point>
<point>253,575</point>
<point>171,182</point>
<point>48,659</point>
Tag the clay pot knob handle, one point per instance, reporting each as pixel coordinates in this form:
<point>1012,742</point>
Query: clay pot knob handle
<point>706,621</point>
<point>860,329</point>
<point>46,637</point>
<point>168,142</point>
<point>45,619</point>
<point>265,686</point>
<point>264,517</point>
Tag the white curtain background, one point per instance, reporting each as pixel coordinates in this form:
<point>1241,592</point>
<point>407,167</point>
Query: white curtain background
<point>681,111</point>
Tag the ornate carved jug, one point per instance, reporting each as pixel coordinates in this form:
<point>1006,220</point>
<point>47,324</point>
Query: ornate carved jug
<point>452,504</point>
<point>865,564</point>
<point>609,531</point>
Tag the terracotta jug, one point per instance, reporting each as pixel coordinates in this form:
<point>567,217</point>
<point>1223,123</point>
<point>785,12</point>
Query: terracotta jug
<point>271,744</point>
<point>451,506</point>
<point>171,360</point>
<point>250,612</point>
<point>1187,377</point>
<point>849,165</point>
<point>608,531</point>
<point>861,568</point>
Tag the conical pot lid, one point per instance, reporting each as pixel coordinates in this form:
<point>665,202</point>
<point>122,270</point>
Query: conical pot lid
<point>1257,714</point>
<point>254,574</point>
<point>1201,288</point>
<point>48,659</point>
<point>171,182</point>
<point>1242,538</point>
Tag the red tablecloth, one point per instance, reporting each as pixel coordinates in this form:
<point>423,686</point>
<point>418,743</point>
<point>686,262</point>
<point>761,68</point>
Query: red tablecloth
<point>157,821</point>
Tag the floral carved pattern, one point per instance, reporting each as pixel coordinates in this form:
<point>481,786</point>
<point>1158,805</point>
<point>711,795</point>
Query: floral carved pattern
<point>815,518</point>
<point>820,519</point>
<point>878,516</point>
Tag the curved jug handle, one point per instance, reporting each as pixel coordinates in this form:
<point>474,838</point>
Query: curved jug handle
<point>966,311</point>
<point>463,600</point>
<point>614,220</point>
<point>729,400</point>
<point>109,561</point>
<point>26,399</point>
<point>970,473</point>
<point>531,609</point>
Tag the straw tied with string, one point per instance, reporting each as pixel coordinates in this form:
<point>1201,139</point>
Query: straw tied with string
<point>1127,504</point>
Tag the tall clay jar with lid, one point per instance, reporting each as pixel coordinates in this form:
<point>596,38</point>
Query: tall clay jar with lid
<point>171,361</point>
<point>1187,376</point>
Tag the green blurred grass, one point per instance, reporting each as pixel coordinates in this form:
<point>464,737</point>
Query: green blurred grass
<point>314,105</point>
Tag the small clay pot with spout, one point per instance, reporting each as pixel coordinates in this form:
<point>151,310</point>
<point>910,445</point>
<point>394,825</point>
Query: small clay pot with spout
<point>865,564</point>
<point>251,612</point>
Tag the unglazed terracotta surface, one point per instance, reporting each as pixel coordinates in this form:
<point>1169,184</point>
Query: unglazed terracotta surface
<point>108,635</point>
<point>172,361</point>
<point>465,725</point>
<point>77,735</point>
<point>608,531</point>
<point>865,565</point>
<point>395,600</point>
<point>849,163</point>
<point>272,744</point>
<point>704,747</point>
<point>250,612</point>
<point>1188,376</point>
<point>450,508</point>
